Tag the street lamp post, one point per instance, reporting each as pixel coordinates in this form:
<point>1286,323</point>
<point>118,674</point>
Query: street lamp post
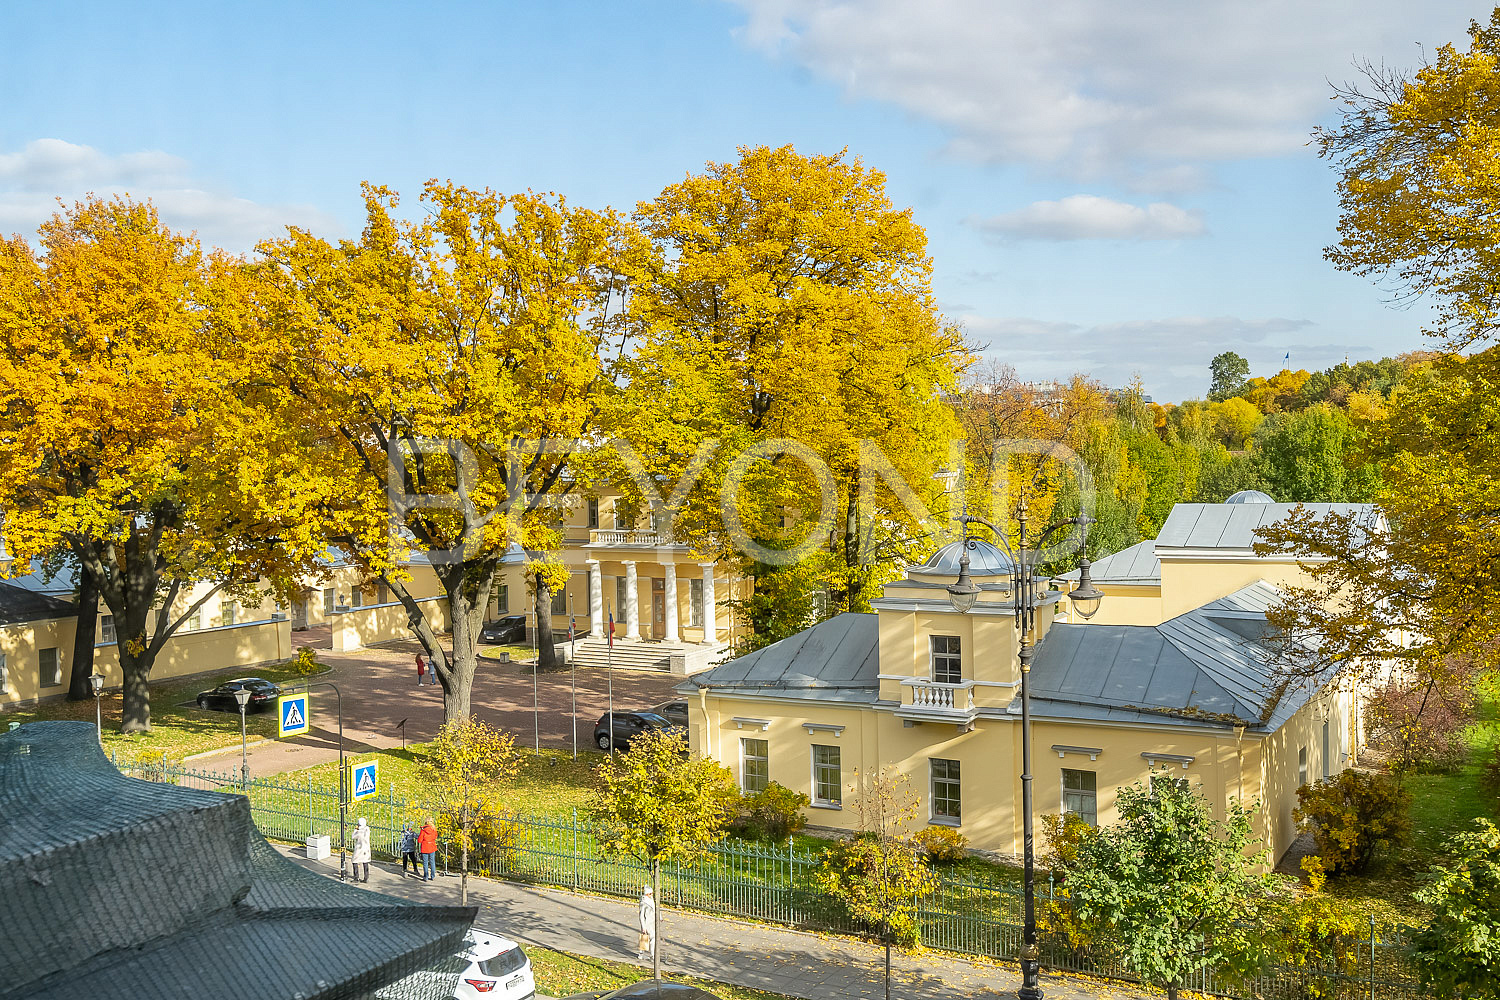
<point>962,595</point>
<point>96,688</point>
<point>242,698</point>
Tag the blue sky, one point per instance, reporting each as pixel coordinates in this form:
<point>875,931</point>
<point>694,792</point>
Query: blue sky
<point>1107,188</point>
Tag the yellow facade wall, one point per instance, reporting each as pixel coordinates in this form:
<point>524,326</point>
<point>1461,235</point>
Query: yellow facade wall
<point>1187,584</point>
<point>1124,604</point>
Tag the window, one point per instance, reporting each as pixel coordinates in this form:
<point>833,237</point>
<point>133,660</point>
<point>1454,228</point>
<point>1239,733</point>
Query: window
<point>1327,752</point>
<point>51,667</point>
<point>827,782</point>
<point>503,601</point>
<point>382,593</point>
<point>226,613</point>
<point>356,597</point>
<point>1301,766</point>
<point>4,674</point>
<point>193,622</point>
<point>618,514</point>
<point>695,603</point>
<point>755,768</point>
<point>947,660</point>
<point>593,513</point>
<point>560,601</point>
<point>619,598</point>
<point>329,601</point>
<point>107,628</point>
<point>1080,795</point>
<point>947,805</point>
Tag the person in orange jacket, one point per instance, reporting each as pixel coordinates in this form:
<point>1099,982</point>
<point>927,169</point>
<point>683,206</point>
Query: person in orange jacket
<point>427,846</point>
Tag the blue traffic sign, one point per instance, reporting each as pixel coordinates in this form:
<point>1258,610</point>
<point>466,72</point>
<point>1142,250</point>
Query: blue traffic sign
<point>292,716</point>
<point>362,779</point>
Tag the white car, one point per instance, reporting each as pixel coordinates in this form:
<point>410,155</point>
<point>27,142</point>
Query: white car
<point>498,969</point>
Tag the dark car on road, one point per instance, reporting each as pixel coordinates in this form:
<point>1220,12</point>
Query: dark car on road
<point>649,989</point>
<point>674,712</point>
<point>263,695</point>
<point>628,725</point>
<point>504,631</point>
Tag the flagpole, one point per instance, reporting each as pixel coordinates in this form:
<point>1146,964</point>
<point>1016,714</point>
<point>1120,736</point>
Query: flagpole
<point>536,661</point>
<point>573,660</point>
<point>609,671</point>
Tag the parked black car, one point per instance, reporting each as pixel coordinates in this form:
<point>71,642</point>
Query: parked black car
<point>649,989</point>
<point>504,631</point>
<point>263,695</point>
<point>674,712</point>
<point>628,725</point>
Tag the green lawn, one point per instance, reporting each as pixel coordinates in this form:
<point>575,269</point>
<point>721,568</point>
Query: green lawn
<point>178,730</point>
<point>1442,804</point>
<point>518,654</point>
<point>559,974</point>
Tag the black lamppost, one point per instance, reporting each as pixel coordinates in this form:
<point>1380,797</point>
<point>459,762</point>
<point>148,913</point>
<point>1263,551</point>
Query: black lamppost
<point>963,594</point>
<point>242,698</point>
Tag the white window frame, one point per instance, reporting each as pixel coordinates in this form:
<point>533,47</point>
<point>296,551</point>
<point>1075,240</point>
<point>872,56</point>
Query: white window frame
<point>952,778</point>
<point>764,757</point>
<point>4,674</point>
<point>1080,795</point>
<point>330,600</point>
<point>1327,750</point>
<point>837,802</point>
<point>695,603</point>
<point>502,599</point>
<point>593,512</point>
<point>107,634</point>
<point>948,657</point>
<point>620,599</point>
<point>228,613</point>
<point>41,667</point>
<point>1301,766</point>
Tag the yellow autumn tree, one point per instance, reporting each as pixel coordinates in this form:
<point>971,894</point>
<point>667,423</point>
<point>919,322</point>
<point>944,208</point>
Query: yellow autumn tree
<point>787,314</point>
<point>126,445</point>
<point>449,372</point>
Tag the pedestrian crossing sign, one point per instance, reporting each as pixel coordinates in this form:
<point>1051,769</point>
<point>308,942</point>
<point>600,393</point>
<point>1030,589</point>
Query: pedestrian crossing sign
<point>292,715</point>
<point>362,779</point>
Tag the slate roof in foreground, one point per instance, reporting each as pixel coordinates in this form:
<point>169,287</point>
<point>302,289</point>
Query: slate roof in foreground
<point>115,887</point>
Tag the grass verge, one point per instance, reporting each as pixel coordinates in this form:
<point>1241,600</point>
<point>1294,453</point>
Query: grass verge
<point>560,974</point>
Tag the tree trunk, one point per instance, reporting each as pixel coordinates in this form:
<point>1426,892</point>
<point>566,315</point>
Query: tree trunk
<point>1172,991</point>
<point>135,714</point>
<point>656,921</point>
<point>83,636</point>
<point>546,647</point>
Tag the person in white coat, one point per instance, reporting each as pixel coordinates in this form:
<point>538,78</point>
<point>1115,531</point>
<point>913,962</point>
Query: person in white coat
<point>647,914</point>
<point>362,851</point>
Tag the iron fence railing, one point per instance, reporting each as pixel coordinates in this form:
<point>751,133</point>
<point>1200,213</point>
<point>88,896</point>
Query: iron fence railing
<point>769,883</point>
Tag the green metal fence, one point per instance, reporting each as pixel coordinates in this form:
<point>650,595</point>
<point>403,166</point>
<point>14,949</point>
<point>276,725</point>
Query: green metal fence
<point>768,883</point>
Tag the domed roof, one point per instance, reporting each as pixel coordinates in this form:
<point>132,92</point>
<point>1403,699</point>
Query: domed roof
<point>985,559</point>
<point>1250,496</point>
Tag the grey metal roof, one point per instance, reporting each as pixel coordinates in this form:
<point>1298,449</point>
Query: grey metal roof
<point>1232,526</point>
<point>1209,664</point>
<point>116,887</point>
<point>836,660</point>
<point>985,559</point>
<point>1137,564</point>
<point>20,604</point>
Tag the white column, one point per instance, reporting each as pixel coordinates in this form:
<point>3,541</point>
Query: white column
<point>596,600</point>
<point>632,610</point>
<point>671,589</point>
<point>710,608</point>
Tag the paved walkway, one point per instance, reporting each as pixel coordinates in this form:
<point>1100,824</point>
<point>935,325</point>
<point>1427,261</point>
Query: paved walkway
<point>794,963</point>
<point>379,691</point>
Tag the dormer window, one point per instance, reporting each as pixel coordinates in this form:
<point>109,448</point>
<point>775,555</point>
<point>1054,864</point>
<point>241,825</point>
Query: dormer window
<point>947,660</point>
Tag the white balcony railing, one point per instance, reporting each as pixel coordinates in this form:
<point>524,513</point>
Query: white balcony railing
<point>932,698</point>
<point>627,536</point>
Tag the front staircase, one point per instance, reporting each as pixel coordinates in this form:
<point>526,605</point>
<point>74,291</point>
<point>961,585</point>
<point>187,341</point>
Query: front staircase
<point>642,655</point>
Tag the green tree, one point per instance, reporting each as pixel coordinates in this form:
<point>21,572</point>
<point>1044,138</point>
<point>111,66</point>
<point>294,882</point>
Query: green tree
<point>881,873</point>
<point>1173,887</point>
<point>1229,372</point>
<point>466,763</point>
<point>661,805</point>
<point>1304,457</point>
<point>1458,951</point>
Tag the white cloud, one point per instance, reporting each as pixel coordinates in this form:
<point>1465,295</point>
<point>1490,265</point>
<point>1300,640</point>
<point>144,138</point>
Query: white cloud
<point>1090,217</point>
<point>1172,353</point>
<point>1139,93</point>
<point>44,170</point>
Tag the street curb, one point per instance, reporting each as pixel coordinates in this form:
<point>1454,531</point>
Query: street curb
<point>261,741</point>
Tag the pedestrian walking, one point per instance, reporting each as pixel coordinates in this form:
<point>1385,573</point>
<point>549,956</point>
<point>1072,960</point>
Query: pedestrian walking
<point>409,850</point>
<point>362,851</point>
<point>421,670</point>
<point>427,846</point>
<point>646,947</point>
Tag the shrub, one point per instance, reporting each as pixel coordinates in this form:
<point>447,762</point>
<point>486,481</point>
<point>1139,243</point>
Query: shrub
<point>1352,816</point>
<point>1062,837</point>
<point>306,661</point>
<point>879,882</point>
<point>1319,935</point>
<point>1458,952</point>
<point>1419,725</point>
<point>774,813</point>
<point>943,845</point>
<point>1489,777</point>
